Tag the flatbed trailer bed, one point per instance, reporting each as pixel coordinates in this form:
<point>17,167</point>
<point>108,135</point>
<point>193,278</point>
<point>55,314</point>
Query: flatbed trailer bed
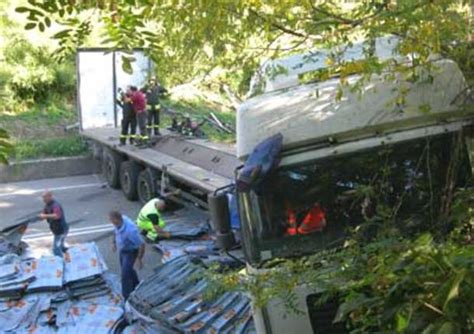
<point>198,163</point>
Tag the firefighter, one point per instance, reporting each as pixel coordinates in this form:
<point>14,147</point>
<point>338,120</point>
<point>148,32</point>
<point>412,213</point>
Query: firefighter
<point>129,120</point>
<point>150,222</point>
<point>138,99</point>
<point>153,93</point>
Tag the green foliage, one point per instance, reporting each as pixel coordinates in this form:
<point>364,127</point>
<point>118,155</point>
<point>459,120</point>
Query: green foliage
<point>38,129</point>
<point>391,285</point>
<point>5,147</point>
<point>190,38</point>
<point>29,73</point>
<point>51,147</point>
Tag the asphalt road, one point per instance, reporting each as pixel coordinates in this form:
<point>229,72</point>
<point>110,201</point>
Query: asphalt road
<point>86,201</point>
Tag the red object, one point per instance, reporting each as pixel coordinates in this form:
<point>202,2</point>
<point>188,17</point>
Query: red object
<point>138,101</point>
<point>315,220</point>
<point>291,230</point>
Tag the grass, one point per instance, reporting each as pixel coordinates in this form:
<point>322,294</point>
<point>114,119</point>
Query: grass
<point>48,148</point>
<point>38,131</point>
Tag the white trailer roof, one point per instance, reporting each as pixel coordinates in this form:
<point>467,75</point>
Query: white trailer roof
<point>310,114</point>
<point>289,68</point>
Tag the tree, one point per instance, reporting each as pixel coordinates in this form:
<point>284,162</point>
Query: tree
<point>190,38</point>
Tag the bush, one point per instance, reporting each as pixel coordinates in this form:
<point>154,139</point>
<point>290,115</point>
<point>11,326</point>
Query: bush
<point>31,75</point>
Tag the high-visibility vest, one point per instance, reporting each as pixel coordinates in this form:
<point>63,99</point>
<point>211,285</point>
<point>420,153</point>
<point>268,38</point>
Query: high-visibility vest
<point>145,224</point>
<point>315,220</point>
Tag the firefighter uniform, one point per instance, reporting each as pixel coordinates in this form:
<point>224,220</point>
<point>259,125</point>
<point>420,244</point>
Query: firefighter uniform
<point>153,93</point>
<point>129,120</point>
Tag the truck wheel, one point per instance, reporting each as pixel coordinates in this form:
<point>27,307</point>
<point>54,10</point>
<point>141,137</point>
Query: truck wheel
<point>111,168</point>
<point>146,186</point>
<point>129,171</point>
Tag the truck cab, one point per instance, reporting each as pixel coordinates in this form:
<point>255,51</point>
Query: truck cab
<point>334,147</point>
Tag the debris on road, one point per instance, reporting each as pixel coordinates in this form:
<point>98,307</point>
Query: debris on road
<point>187,229</point>
<point>172,249</point>
<point>173,300</point>
<point>52,295</point>
<point>10,239</point>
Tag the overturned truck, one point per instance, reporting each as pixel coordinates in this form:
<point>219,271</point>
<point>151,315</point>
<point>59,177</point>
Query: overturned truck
<point>332,149</point>
<point>334,146</point>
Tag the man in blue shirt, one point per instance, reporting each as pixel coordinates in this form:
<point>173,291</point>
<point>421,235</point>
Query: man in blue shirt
<point>131,249</point>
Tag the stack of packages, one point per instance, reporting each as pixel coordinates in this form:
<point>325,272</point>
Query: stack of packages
<point>52,295</point>
<point>13,278</point>
<point>84,267</point>
<point>172,300</point>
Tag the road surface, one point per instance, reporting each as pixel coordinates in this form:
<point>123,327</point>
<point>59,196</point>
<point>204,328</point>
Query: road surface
<point>87,201</point>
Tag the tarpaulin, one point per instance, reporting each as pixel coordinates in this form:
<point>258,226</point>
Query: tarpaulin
<point>187,224</point>
<point>263,159</point>
<point>187,230</point>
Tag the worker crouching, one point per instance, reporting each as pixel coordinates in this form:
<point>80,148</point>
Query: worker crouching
<point>150,222</point>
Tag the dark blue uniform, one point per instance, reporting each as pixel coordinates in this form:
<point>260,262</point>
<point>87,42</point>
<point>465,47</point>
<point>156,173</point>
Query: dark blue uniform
<point>128,241</point>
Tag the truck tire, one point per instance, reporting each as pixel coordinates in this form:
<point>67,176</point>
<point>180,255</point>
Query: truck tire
<point>146,185</point>
<point>129,171</point>
<point>111,168</point>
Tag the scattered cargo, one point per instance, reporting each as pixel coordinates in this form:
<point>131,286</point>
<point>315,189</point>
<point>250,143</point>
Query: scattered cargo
<point>52,295</point>
<point>172,301</point>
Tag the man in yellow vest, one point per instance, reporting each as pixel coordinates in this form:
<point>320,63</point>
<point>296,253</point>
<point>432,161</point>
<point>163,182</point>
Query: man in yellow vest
<point>149,220</point>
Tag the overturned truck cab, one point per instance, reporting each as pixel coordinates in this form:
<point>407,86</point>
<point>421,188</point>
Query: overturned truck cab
<point>332,149</point>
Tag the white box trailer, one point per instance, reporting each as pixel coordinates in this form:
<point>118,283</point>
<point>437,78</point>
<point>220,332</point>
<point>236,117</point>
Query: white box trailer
<point>99,76</point>
<point>195,166</point>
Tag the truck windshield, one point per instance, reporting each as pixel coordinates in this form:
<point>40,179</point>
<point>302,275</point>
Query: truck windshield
<point>305,208</point>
